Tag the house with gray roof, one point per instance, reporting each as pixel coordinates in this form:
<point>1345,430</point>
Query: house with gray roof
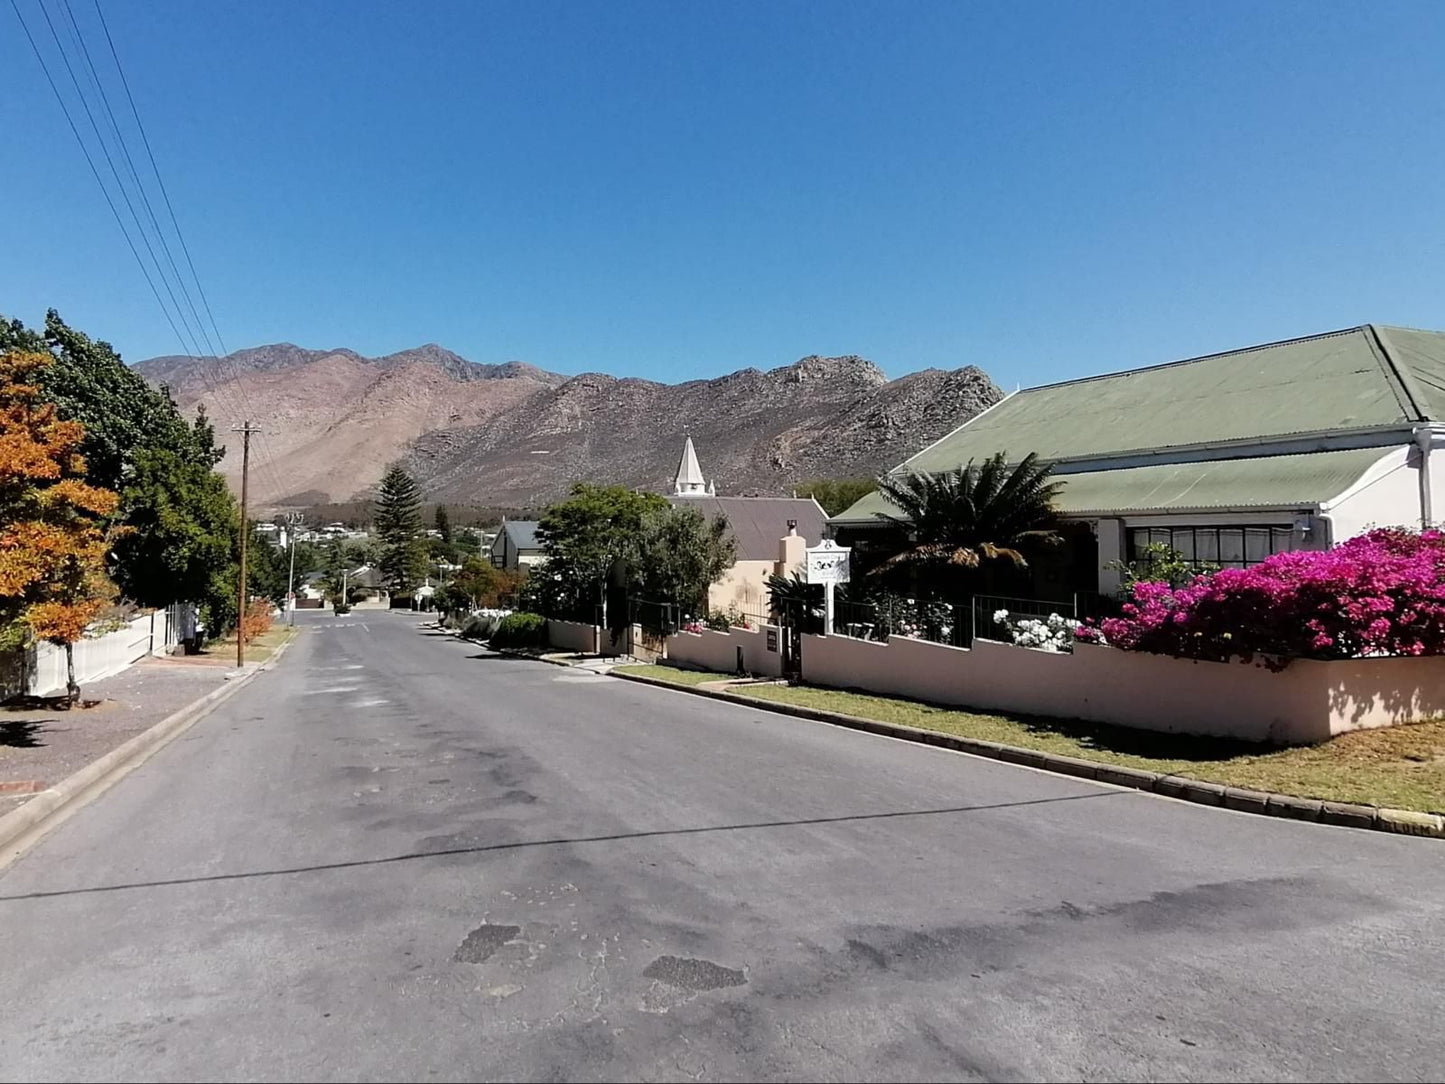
<point>1226,458</point>
<point>517,545</point>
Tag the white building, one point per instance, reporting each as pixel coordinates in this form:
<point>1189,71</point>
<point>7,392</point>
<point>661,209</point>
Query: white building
<point>1226,458</point>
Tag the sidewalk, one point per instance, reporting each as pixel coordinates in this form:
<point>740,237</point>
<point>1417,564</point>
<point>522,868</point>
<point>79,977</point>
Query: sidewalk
<point>39,748</point>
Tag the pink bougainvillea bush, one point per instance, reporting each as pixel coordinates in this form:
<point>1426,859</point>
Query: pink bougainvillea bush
<point>1382,593</point>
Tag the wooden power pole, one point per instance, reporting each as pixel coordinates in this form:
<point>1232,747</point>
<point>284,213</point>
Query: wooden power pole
<point>245,429</point>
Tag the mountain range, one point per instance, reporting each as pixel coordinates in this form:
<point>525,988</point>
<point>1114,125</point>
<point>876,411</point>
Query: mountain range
<point>514,435</point>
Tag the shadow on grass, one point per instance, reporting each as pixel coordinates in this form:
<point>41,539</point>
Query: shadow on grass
<point>1104,737</point>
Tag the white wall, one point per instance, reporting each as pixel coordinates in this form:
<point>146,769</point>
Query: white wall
<point>718,651</point>
<point>1387,495</point>
<point>1308,701</point>
<point>100,656</point>
<point>572,636</point>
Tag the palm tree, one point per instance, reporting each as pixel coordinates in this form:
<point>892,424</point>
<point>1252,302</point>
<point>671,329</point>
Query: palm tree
<point>961,518</point>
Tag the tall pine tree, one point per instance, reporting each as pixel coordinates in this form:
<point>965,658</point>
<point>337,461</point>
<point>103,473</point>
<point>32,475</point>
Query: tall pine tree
<point>444,523</point>
<point>398,524</point>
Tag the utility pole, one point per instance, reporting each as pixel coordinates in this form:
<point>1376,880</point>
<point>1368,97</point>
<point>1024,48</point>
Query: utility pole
<point>293,522</point>
<point>245,429</point>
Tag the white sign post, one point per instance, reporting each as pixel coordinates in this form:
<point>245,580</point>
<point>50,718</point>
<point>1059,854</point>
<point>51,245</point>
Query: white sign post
<point>827,564</point>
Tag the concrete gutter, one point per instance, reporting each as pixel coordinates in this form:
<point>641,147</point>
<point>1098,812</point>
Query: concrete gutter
<point>22,828</point>
<point>1268,803</point>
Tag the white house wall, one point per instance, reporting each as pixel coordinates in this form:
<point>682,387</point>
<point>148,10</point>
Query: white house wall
<point>1387,495</point>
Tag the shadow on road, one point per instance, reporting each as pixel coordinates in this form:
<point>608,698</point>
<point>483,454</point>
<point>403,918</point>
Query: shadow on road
<point>487,848</point>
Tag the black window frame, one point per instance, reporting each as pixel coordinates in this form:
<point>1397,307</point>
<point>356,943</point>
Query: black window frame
<point>1277,533</point>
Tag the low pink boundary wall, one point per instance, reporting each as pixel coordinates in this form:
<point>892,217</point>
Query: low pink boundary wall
<point>710,650</point>
<point>571,636</point>
<point>1308,701</point>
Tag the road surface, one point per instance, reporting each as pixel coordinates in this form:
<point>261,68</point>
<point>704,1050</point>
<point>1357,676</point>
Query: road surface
<point>401,857</point>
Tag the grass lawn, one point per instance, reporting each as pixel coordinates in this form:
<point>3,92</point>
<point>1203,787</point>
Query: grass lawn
<point>1402,767</point>
<point>673,674</point>
<point>258,648</point>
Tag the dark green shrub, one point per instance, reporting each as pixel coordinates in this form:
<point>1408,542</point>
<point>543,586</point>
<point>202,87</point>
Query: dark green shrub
<point>521,630</point>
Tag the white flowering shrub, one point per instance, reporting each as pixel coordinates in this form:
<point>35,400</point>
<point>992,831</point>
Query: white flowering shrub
<point>480,624</point>
<point>1054,633</point>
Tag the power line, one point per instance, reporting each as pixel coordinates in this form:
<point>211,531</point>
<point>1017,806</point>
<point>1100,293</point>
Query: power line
<point>223,357</point>
<point>75,131</point>
<point>110,161</point>
<point>78,36</point>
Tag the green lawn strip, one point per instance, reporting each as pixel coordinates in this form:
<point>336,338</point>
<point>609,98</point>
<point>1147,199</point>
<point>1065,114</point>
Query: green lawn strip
<point>1400,767</point>
<point>672,674</point>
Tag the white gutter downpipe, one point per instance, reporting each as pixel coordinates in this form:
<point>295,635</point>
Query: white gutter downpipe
<point>1425,440</point>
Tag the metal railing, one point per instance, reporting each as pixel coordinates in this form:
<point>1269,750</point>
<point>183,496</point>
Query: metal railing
<point>653,615</point>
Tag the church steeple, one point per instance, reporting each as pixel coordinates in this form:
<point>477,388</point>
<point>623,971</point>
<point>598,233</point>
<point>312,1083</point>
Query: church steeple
<point>689,481</point>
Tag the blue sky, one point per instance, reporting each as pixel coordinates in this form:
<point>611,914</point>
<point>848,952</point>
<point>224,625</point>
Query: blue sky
<point>678,190</point>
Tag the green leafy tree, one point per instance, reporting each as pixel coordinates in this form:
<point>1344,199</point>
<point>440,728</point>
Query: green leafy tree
<point>587,537</point>
<point>477,580</point>
<point>444,524</point>
<point>680,554</point>
<point>958,520</point>
<point>1158,563</point>
<point>837,494</point>
<point>182,524</point>
<point>121,413</point>
<point>398,525</point>
<point>267,568</point>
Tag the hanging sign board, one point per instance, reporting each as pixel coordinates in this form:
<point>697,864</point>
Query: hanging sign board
<point>827,563</point>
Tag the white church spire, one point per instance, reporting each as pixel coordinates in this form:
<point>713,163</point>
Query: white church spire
<point>689,481</point>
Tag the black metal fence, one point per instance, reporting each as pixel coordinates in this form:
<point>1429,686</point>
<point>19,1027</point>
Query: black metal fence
<point>653,615</point>
<point>941,622</point>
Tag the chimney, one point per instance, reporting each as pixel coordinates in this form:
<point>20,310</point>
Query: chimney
<point>792,527</point>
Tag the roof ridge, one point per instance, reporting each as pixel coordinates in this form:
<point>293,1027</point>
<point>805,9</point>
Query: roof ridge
<point>1399,369</point>
<point>1201,357</point>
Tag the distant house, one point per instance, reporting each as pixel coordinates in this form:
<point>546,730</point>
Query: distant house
<point>1227,458</point>
<point>517,545</point>
<point>759,526</point>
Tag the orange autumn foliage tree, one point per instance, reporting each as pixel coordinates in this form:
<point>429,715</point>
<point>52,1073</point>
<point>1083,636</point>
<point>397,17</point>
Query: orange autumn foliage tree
<point>53,542</point>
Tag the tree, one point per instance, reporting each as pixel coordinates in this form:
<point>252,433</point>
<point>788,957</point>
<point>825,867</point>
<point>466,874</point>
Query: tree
<point>335,584</point>
<point>959,519</point>
<point>477,580</point>
<point>53,541</point>
<point>268,568</point>
<point>398,523</point>
<point>182,526</point>
<point>680,555</point>
<point>444,524</point>
<point>121,413</point>
<point>837,494</point>
<point>587,537</point>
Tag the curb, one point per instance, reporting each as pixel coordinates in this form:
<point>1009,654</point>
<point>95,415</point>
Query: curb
<point>22,828</point>
<point>1264,803</point>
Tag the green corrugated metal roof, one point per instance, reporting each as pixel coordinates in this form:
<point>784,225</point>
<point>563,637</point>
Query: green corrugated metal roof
<point>1280,481</point>
<point>1362,377</point>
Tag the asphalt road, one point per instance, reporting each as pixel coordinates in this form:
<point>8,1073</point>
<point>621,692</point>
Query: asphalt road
<point>399,857</point>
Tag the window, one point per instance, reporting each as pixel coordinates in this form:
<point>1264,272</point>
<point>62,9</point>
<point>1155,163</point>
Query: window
<point>1226,547</point>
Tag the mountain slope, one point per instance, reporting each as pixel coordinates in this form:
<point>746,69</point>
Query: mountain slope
<point>515,435</point>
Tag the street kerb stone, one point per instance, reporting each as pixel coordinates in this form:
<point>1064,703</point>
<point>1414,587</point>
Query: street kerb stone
<point>1350,816</point>
<point>1246,801</point>
<point>1408,822</point>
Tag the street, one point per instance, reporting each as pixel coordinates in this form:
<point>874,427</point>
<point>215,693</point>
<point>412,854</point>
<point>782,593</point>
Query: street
<point>399,856</point>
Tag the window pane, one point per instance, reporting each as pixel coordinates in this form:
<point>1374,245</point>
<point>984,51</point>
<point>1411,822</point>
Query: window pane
<point>1283,540</point>
<point>1184,543</point>
<point>1138,539</point>
<point>1231,546</point>
<point>1161,536</point>
<point>1206,545</point>
<point>1256,544</point>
